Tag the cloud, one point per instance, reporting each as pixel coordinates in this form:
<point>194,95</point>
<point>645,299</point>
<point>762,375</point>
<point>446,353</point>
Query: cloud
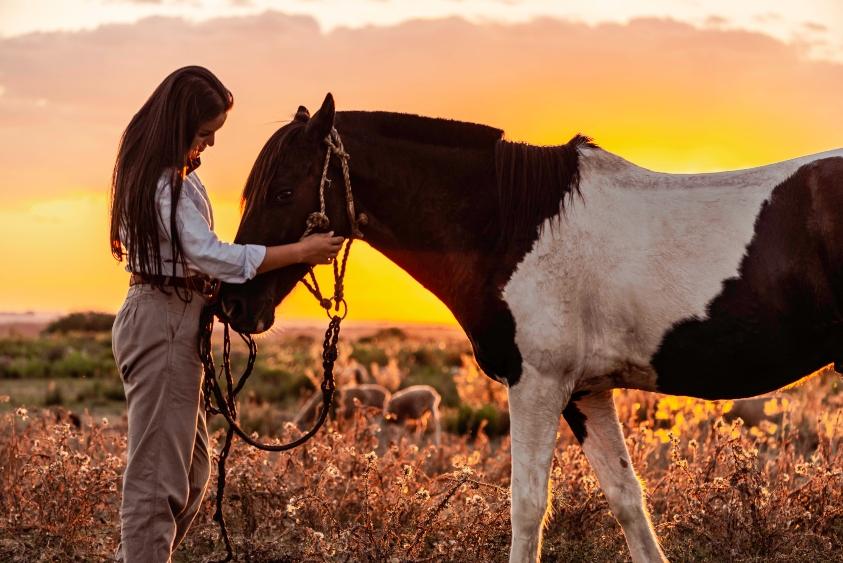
<point>768,17</point>
<point>716,21</point>
<point>171,2</point>
<point>816,27</point>
<point>690,96</point>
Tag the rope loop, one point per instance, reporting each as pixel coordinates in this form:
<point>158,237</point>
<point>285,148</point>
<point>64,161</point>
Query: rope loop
<point>339,305</point>
<point>226,404</point>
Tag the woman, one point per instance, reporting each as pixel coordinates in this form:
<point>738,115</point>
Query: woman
<point>161,220</point>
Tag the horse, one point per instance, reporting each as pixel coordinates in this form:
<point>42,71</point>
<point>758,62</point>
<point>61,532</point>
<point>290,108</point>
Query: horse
<point>572,272</point>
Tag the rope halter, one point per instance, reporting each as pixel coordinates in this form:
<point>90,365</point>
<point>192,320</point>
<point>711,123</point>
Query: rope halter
<point>320,220</point>
<point>226,403</point>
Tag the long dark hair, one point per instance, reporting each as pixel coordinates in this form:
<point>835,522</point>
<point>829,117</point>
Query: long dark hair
<point>157,140</point>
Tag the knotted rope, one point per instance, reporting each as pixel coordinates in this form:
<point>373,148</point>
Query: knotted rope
<point>226,404</point>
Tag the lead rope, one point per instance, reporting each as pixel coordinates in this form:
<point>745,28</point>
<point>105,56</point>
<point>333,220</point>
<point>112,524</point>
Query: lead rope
<point>226,404</point>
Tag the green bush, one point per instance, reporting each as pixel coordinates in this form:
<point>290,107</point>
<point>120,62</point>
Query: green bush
<point>83,322</point>
<point>434,366</point>
<point>101,392</point>
<point>76,363</point>
<point>277,385</point>
<point>384,334</point>
<point>467,420</point>
<point>23,368</point>
<point>56,352</point>
<point>113,391</point>
<point>430,356</point>
<point>436,378</point>
<point>367,355</point>
<point>56,355</point>
<point>22,357</point>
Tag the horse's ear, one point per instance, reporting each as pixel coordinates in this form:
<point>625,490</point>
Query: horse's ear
<point>302,114</point>
<point>323,120</point>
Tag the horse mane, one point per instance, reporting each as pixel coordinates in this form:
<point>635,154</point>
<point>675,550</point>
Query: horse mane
<point>404,126</point>
<point>424,130</point>
<point>534,181</point>
<point>262,171</point>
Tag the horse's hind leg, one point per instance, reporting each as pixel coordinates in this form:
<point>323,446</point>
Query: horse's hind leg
<point>535,404</point>
<point>595,422</point>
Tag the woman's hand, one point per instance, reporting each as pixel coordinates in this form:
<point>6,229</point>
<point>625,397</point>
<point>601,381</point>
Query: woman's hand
<point>320,248</point>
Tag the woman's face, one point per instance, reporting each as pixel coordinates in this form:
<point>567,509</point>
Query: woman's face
<point>205,135</point>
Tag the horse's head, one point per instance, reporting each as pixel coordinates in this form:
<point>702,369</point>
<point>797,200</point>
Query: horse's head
<point>281,192</point>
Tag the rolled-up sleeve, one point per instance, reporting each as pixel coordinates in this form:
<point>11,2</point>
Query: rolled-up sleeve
<point>229,262</point>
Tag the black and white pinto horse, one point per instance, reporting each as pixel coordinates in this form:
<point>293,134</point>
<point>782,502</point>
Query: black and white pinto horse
<point>573,272</point>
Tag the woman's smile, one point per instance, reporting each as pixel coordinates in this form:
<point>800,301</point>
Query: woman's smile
<point>205,136</point>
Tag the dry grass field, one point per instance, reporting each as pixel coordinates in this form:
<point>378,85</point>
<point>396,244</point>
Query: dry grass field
<point>765,486</point>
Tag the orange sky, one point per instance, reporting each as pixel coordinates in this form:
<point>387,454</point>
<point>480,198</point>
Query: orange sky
<point>661,93</point>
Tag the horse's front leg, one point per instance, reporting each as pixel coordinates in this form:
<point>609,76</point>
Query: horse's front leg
<point>535,404</point>
<point>594,420</point>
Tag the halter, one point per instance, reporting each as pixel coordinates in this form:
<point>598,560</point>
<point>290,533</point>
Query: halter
<point>226,404</point>
<point>319,220</point>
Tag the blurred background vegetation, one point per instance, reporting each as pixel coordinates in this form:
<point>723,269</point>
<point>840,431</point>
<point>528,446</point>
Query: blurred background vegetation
<point>70,364</point>
<point>751,481</point>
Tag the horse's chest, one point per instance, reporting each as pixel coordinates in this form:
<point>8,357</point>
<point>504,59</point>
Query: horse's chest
<point>595,296</point>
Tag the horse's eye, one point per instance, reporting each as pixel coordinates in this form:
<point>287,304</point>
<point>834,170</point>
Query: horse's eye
<point>283,196</point>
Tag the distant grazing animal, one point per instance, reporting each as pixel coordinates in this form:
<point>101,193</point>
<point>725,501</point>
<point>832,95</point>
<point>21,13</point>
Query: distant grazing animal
<point>368,395</point>
<point>413,403</point>
<point>572,272</point>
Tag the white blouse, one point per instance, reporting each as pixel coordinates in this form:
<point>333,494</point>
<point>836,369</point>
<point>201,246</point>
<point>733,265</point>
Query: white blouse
<point>203,251</point>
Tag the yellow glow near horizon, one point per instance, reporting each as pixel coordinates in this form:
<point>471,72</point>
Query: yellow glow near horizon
<point>662,94</point>
<point>65,265</point>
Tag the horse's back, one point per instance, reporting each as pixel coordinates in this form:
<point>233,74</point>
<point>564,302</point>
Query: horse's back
<point>781,317</point>
<point>656,273</point>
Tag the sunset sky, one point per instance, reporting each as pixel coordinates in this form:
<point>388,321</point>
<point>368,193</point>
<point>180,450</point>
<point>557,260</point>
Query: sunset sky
<point>675,85</point>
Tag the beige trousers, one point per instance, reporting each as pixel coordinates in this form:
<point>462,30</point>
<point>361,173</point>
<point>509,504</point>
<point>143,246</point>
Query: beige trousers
<point>154,341</point>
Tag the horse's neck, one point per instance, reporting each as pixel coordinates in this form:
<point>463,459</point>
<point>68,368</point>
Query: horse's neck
<point>433,212</point>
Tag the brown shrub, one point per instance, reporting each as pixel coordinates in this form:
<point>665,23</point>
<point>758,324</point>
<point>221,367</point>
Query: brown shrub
<point>716,490</point>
